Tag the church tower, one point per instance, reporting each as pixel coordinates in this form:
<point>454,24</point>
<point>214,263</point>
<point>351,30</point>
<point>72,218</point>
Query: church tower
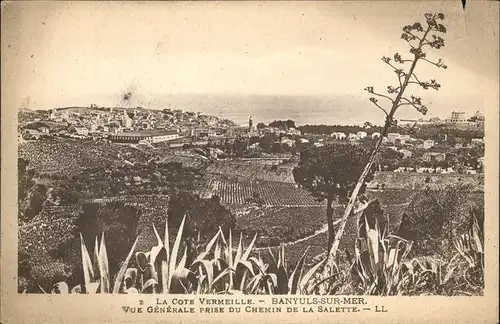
<point>250,124</point>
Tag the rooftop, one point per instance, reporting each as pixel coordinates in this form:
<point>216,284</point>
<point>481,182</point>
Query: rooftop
<point>146,133</point>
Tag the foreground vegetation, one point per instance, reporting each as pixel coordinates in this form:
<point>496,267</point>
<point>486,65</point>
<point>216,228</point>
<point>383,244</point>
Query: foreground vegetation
<point>381,265</point>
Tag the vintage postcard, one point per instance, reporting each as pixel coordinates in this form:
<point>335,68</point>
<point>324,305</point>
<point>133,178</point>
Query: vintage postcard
<point>270,162</point>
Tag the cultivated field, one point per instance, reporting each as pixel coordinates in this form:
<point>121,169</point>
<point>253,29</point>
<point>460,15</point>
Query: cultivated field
<point>253,170</point>
<point>237,191</point>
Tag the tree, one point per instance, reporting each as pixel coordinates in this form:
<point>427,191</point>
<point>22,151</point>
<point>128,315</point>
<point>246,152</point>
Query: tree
<point>435,217</point>
<point>261,125</point>
<point>419,39</point>
<point>282,124</point>
<point>266,141</point>
<point>203,216</point>
<point>239,146</point>
<point>330,173</point>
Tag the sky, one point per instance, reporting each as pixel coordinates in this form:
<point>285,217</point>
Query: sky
<point>77,53</point>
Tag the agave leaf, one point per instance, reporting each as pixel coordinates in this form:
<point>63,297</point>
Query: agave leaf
<point>209,269</point>
<point>60,288</point>
<point>150,272</point>
<point>95,263</point>
<point>164,276</point>
<point>285,263</point>
<point>75,290</point>
<point>201,279</point>
<point>88,272</point>
<point>130,277</point>
<point>408,246</point>
<point>239,251</point>
<point>182,263</point>
<point>230,258</point>
<point>217,250</point>
<point>208,247</point>
<point>104,267</point>
<point>92,287</point>
<point>167,243</point>
<point>391,258</point>
<point>242,268</point>
<point>271,277</point>
<point>175,251</point>
<point>141,260</point>
<point>254,282</point>
<point>305,279</point>
<point>293,281</point>
<point>273,266</point>
<point>282,279</point>
<point>222,264</point>
<point>319,283</point>
<point>249,249</point>
<point>154,252</point>
<point>243,279</point>
<point>158,238</point>
<point>149,285</point>
<point>123,268</point>
<point>131,290</point>
<point>222,236</point>
<point>397,253</point>
<point>259,264</point>
<point>448,275</point>
<point>222,275</point>
<point>40,287</point>
<point>247,265</point>
<point>230,249</point>
<point>476,235</point>
<point>372,236</point>
<point>181,280</point>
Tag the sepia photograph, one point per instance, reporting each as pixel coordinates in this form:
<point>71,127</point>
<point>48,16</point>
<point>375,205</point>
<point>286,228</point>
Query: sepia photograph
<point>306,151</point>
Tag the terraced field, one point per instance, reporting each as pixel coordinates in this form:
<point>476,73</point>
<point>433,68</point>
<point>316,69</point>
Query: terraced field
<point>237,191</point>
<point>69,157</point>
<point>252,170</point>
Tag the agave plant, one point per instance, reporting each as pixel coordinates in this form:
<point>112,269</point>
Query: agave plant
<point>377,258</point>
<point>275,278</point>
<point>380,267</point>
<point>157,270</point>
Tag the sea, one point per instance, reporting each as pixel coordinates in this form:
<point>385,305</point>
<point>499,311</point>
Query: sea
<point>302,109</point>
<point>312,110</point>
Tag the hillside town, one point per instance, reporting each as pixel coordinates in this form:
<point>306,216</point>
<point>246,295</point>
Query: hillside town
<point>176,129</point>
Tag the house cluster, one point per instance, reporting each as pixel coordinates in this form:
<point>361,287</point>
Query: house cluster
<point>351,136</point>
<point>126,125</point>
<point>457,119</point>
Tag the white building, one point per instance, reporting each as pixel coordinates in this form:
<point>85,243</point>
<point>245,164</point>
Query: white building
<point>428,144</point>
<point>392,137</point>
<point>127,122</point>
<point>338,135</point>
<point>457,117</point>
<point>287,141</point>
<point>294,131</point>
<point>152,137</point>
<point>353,137</point>
<point>361,134</point>
<point>82,131</point>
